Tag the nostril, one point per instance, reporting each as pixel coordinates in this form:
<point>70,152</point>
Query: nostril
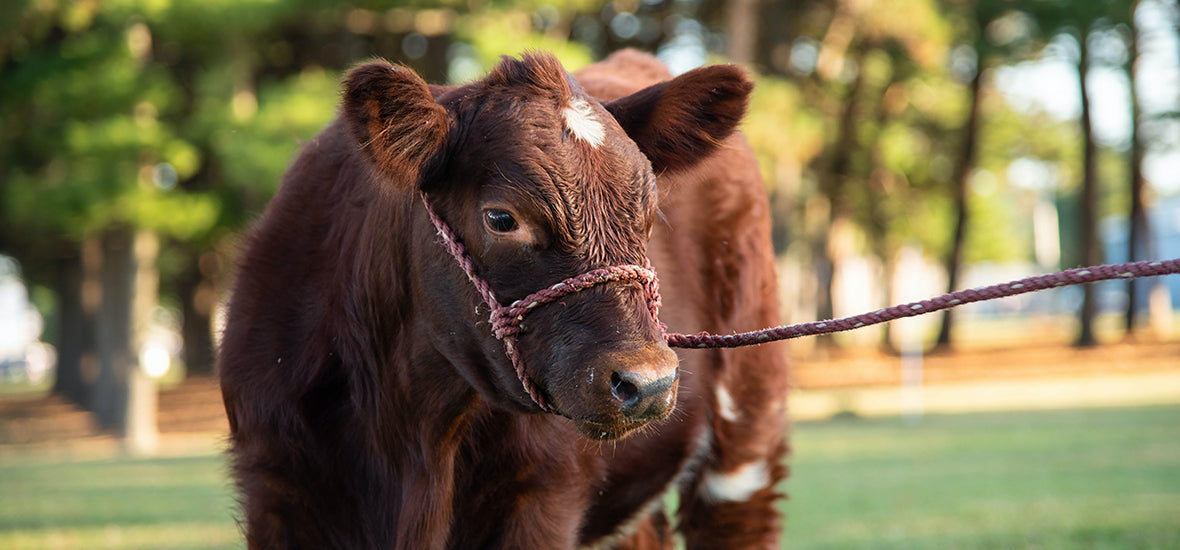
<point>623,390</point>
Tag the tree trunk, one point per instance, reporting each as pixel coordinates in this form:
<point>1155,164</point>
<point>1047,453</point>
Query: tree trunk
<point>124,397</point>
<point>1088,203</point>
<point>1137,231</point>
<point>881,180</point>
<point>825,256</point>
<point>889,273</point>
<point>141,433</point>
<point>197,297</point>
<point>75,334</point>
<point>741,22</point>
<point>961,187</point>
<point>116,357</point>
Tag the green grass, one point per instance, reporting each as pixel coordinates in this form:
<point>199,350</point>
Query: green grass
<point>1081,479</point>
<point>173,504</point>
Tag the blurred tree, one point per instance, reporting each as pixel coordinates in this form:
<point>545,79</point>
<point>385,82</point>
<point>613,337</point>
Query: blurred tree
<point>1079,20</point>
<point>1088,238</point>
<point>962,180</point>
<point>1085,20</point>
<point>741,28</point>
<point>974,17</point>
<point>114,121</point>
<point>1137,228</point>
<point>868,73</point>
<point>83,153</point>
<point>1156,25</point>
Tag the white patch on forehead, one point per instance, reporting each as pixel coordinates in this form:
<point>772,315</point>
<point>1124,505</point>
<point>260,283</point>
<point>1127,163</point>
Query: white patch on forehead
<point>736,486</point>
<point>580,121</point>
<point>725,406</point>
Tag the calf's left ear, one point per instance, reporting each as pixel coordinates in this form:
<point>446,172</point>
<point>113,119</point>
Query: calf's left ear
<point>680,121</point>
<point>394,119</point>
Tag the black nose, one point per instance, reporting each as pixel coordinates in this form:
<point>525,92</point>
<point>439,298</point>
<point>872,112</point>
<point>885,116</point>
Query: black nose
<point>641,398</point>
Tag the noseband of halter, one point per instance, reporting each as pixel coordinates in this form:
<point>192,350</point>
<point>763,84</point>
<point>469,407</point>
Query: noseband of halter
<point>506,320</point>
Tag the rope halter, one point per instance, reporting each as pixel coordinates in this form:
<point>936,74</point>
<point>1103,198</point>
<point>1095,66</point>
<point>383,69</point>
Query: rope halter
<point>506,320</point>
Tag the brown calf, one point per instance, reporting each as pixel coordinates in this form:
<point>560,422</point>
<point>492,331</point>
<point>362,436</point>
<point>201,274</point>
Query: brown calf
<point>371,406</point>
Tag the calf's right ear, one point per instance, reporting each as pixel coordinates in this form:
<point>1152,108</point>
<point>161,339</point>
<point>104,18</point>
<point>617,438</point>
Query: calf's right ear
<point>394,119</point>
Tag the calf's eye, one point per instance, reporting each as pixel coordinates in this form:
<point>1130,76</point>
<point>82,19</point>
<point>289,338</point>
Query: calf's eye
<point>499,221</point>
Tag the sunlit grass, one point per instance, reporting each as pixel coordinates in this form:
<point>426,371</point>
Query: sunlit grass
<point>170,536</point>
<point>175,503</point>
<point>1051,480</point>
<point>1098,478</point>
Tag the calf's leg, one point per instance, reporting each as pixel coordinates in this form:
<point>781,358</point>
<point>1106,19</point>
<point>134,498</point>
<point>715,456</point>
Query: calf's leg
<point>731,503</point>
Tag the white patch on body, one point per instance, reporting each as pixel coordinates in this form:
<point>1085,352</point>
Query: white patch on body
<point>580,121</point>
<point>725,406</point>
<point>736,486</point>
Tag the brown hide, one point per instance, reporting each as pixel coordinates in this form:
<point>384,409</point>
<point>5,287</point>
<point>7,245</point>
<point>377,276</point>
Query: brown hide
<point>370,407</point>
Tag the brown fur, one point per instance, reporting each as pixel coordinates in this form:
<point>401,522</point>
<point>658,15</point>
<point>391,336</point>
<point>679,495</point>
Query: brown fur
<point>370,407</point>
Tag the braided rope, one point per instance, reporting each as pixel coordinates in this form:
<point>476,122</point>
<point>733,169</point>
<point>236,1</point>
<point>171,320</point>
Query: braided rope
<point>1070,277</point>
<point>451,242</point>
<point>506,320</point>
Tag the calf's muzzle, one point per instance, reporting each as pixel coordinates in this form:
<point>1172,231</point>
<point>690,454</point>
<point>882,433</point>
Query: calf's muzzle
<point>643,385</point>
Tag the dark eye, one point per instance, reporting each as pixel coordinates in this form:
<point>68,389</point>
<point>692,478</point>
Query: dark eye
<point>499,221</point>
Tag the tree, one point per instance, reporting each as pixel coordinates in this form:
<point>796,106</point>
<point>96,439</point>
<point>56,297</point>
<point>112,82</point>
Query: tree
<point>962,177</point>
<point>1088,199</point>
<point>1137,229</point>
<point>105,144</point>
<point>977,17</point>
<point>1080,20</point>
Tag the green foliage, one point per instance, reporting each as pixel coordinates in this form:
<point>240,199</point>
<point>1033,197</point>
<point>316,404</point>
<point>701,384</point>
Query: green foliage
<point>497,32</point>
<point>87,123</point>
<point>919,28</point>
<point>1000,221</point>
<point>149,113</point>
<point>263,134</point>
<point>1000,217</point>
<point>785,134</point>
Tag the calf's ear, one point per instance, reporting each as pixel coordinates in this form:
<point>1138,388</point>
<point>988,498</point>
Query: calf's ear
<point>394,119</point>
<point>680,121</point>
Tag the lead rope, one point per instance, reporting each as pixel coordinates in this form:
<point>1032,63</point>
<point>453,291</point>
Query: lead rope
<point>506,320</point>
<point>1081,275</point>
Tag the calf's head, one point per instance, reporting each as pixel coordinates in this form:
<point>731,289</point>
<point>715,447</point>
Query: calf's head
<point>541,183</point>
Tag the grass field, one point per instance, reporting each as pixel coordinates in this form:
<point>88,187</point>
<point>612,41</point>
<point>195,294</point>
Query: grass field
<point>167,504</point>
<point>1077,479</point>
